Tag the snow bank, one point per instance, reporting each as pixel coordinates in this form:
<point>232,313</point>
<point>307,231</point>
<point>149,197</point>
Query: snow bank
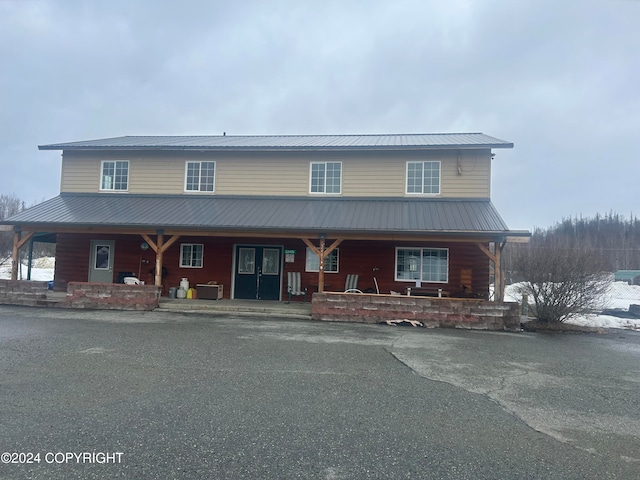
<point>42,269</point>
<point>619,295</point>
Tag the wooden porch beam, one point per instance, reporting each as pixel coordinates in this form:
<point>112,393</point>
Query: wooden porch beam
<point>487,252</point>
<point>411,237</point>
<point>18,243</point>
<point>159,247</point>
<point>25,239</point>
<point>498,275</point>
<point>322,254</point>
<point>327,251</point>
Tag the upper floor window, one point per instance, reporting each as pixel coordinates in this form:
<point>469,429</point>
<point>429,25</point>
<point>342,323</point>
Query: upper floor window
<point>423,178</point>
<point>200,176</point>
<point>191,255</point>
<point>330,262</point>
<point>115,175</point>
<point>326,177</point>
<point>422,264</point>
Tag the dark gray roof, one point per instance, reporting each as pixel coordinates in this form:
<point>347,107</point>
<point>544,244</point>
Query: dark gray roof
<point>251,213</point>
<point>289,142</point>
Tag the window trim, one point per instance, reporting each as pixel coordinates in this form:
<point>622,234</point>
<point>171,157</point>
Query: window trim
<point>311,164</point>
<point>310,252</point>
<point>182,245</point>
<point>115,162</point>
<point>186,175</point>
<point>422,193</point>
<point>421,280</point>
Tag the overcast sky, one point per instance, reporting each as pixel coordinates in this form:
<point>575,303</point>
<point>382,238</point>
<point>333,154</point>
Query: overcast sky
<point>560,79</point>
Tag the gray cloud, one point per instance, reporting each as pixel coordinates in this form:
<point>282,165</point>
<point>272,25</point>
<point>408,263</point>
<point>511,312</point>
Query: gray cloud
<point>556,78</point>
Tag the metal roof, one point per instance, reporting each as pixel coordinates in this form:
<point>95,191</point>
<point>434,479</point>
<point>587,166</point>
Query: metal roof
<point>289,142</point>
<point>286,214</point>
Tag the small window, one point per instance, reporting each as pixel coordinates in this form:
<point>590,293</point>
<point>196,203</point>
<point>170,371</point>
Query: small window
<point>330,263</point>
<point>115,175</point>
<point>191,255</point>
<point>326,177</point>
<point>200,176</point>
<point>422,264</point>
<point>423,178</point>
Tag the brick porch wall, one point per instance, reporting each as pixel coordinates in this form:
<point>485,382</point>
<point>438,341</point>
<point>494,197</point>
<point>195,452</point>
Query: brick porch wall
<point>112,296</point>
<point>98,296</point>
<point>23,292</point>
<point>432,312</point>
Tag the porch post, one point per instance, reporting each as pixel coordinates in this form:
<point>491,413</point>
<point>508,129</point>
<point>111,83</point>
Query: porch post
<point>159,246</point>
<point>14,255</point>
<point>322,252</point>
<point>18,243</point>
<point>497,274</point>
<point>497,271</point>
<point>321,267</point>
<point>502,272</point>
<point>159,252</point>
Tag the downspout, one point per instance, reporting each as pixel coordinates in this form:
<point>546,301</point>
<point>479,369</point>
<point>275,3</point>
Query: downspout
<point>30,259</point>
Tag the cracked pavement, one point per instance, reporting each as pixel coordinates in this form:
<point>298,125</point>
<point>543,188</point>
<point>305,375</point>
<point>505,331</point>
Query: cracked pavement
<point>195,396</point>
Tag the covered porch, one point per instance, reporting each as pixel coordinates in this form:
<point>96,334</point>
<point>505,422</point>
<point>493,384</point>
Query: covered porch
<point>249,245</point>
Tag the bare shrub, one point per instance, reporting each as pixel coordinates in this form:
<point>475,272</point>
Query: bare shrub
<point>562,280</point>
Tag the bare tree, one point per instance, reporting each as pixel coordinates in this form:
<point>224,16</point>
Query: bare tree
<point>562,280</point>
<point>9,205</point>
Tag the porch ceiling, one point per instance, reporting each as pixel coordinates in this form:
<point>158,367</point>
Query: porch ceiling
<point>258,215</point>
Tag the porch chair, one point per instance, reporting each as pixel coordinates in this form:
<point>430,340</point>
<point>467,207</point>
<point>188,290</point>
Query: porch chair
<point>351,284</point>
<point>294,286</point>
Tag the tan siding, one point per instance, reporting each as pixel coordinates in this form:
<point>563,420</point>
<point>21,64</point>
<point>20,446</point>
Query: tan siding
<point>164,174</point>
<point>386,175</point>
<point>277,173</point>
<point>258,176</point>
<point>468,176</point>
<point>79,175</point>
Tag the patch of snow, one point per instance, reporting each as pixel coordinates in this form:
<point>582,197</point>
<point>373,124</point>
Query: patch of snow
<point>606,321</point>
<point>41,270</point>
<point>619,296</point>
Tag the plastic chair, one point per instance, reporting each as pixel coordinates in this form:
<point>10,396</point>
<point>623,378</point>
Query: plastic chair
<point>351,284</point>
<point>294,286</point>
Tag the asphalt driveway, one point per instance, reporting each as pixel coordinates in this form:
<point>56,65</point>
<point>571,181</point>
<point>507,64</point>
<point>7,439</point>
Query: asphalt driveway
<point>158,395</point>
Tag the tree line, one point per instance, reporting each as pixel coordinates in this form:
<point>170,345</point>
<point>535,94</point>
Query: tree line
<point>611,238</point>
<point>10,205</point>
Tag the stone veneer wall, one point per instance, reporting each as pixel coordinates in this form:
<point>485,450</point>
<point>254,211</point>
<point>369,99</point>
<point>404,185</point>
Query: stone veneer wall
<point>432,312</point>
<point>23,292</point>
<point>112,296</point>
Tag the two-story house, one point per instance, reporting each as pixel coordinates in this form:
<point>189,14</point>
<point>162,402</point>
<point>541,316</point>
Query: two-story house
<point>242,211</point>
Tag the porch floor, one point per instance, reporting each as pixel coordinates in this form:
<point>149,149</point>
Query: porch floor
<point>267,308</point>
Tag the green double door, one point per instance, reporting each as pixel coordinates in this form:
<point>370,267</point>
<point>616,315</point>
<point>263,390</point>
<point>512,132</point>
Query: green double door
<point>257,272</point>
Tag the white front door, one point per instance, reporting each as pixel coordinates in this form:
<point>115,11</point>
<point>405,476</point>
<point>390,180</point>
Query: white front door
<point>101,261</point>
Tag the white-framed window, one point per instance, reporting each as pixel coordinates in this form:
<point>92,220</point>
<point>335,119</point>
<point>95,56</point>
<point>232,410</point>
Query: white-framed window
<point>114,175</point>
<point>200,176</point>
<point>325,177</point>
<point>191,255</point>
<point>330,263</point>
<point>423,178</point>
<point>422,264</point>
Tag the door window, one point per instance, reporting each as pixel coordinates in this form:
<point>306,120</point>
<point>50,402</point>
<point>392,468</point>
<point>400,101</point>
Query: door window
<point>270,261</point>
<point>102,254</point>
<point>247,261</point>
